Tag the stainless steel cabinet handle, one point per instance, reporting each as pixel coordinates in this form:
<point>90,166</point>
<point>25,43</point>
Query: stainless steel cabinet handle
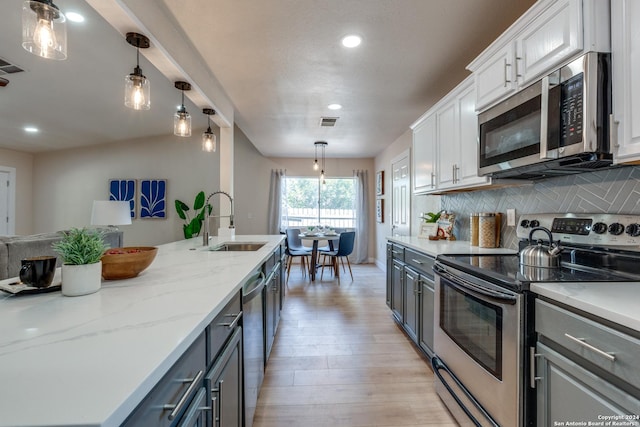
<point>396,252</point>
<point>613,131</point>
<point>583,343</point>
<point>453,173</point>
<point>214,407</point>
<point>433,175</point>
<point>532,367</point>
<point>183,400</point>
<point>417,261</point>
<point>410,276</point>
<point>517,71</point>
<point>505,73</point>
<point>235,321</point>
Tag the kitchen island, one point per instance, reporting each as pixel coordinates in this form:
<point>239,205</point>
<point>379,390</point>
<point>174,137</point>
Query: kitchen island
<point>90,360</point>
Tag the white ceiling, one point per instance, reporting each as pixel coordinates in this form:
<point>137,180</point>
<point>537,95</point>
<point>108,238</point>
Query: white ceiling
<point>280,63</point>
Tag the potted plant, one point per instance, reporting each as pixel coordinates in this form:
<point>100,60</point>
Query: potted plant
<point>81,250</point>
<point>192,226</point>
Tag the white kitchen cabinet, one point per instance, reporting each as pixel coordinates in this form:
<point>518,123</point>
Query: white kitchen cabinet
<point>445,144</point>
<point>625,48</point>
<point>550,33</point>
<point>457,130</point>
<point>424,154</point>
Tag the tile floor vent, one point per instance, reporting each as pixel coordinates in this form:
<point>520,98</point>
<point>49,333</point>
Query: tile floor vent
<point>328,121</point>
<point>8,68</point>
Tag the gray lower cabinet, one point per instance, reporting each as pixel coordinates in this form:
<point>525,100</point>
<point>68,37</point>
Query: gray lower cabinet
<point>224,383</point>
<point>427,309</point>
<point>585,370</point>
<point>166,404</point>
<point>397,291</point>
<point>410,293</point>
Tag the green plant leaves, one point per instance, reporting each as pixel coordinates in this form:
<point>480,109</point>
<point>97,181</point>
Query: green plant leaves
<point>81,246</point>
<point>193,226</point>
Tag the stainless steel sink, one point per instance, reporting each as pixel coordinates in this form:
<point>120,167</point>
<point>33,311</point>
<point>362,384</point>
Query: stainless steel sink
<point>238,246</point>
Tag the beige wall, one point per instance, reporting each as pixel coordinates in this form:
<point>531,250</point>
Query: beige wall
<point>66,182</point>
<point>23,164</point>
<point>253,174</point>
<point>418,203</point>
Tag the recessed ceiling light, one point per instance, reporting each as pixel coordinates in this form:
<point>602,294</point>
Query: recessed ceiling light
<point>31,129</point>
<point>334,106</point>
<point>74,17</point>
<point>351,41</point>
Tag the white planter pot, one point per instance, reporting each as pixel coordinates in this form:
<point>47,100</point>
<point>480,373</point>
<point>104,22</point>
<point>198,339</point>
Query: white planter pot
<point>81,279</point>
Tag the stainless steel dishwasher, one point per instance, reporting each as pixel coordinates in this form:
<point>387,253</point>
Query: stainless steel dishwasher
<point>253,342</point>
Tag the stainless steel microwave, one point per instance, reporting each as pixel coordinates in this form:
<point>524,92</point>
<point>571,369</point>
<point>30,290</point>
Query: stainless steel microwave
<point>557,126</point>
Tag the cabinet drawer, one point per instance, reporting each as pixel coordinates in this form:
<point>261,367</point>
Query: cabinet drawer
<point>397,252</point>
<point>222,327</point>
<point>611,350</point>
<point>178,386</point>
<point>424,263</point>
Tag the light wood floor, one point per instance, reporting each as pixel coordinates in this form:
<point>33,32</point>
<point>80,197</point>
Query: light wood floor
<point>339,359</point>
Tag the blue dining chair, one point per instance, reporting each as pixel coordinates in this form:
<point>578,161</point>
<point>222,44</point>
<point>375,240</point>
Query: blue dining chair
<point>294,248</point>
<point>345,248</point>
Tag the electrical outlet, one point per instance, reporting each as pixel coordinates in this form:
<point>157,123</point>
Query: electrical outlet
<point>511,217</point>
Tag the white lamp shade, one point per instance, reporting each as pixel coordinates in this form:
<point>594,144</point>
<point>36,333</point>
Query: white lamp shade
<point>110,212</point>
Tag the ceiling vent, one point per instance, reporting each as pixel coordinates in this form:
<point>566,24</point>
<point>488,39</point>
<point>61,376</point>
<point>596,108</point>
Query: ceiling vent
<point>328,121</point>
<point>8,68</point>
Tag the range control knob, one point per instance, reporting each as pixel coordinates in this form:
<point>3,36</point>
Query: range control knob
<point>524,223</point>
<point>599,228</point>
<point>616,229</point>
<point>534,223</point>
<point>633,230</point>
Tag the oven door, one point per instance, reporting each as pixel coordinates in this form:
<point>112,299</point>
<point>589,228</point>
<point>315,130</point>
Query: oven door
<point>478,340</point>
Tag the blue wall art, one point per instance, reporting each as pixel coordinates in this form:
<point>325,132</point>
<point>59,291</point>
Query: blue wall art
<point>124,189</point>
<point>153,198</point>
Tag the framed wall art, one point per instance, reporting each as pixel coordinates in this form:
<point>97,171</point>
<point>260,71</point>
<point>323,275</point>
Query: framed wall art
<point>380,210</point>
<point>124,190</point>
<point>379,183</point>
<point>153,199</point>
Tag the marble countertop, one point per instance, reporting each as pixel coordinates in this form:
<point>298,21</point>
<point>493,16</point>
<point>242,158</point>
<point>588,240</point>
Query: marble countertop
<point>89,360</point>
<point>441,247</point>
<point>616,302</point>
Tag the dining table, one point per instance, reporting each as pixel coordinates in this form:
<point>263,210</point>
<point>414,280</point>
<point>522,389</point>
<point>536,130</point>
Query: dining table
<point>315,238</point>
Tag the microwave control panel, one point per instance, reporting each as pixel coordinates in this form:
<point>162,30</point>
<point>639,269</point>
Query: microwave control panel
<point>571,111</point>
<point>585,229</point>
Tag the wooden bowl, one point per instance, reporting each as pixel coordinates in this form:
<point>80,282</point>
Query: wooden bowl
<point>126,262</point>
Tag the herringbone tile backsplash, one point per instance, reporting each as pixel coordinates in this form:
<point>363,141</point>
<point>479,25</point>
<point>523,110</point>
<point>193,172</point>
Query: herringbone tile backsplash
<point>614,190</point>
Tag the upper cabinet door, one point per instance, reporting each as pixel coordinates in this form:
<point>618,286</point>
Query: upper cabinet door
<point>467,173</point>
<point>496,77</point>
<point>448,144</point>
<point>625,47</point>
<point>549,39</point>
<point>424,155</point>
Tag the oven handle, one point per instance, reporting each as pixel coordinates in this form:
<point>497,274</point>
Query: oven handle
<point>437,365</point>
<point>474,289</point>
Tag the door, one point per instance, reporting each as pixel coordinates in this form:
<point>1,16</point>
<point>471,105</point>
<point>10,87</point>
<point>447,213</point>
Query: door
<point>224,382</point>
<point>7,199</point>
<point>411,302</point>
<point>400,196</point>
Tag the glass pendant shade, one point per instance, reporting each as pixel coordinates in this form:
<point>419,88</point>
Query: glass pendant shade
<point>44,30</point>
<point>137,91</point>
<point>182,123</point>
<point>182,119</point>
<point>315,165</point>
<point>209,141</point>
<point>136,86</point>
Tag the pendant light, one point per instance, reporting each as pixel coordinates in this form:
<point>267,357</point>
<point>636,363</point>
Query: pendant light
<point>315,161</point>
<point>322,145</point>
<point>208,137</point>
<point>136,89</point>
<point>182,119</point>
<point>44,30</point>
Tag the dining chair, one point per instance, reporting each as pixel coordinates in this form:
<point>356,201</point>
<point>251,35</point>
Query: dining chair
<point>294,248</point>
<point>345,248</point>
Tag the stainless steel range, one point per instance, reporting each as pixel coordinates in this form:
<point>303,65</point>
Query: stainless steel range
<point>484,313</point>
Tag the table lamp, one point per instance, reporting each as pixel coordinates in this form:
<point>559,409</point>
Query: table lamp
<point>110,213</point>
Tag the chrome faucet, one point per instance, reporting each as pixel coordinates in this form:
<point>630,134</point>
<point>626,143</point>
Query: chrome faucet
<point>205,235</point>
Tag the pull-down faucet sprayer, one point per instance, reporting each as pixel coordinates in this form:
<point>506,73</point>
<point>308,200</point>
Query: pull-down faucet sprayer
<point>205,235</point>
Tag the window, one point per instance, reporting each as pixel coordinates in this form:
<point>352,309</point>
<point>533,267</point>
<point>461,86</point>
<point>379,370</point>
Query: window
<point>307,203</point>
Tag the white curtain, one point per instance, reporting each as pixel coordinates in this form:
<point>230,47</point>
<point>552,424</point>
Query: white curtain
<point>275,200</point>
<point>362,216</point>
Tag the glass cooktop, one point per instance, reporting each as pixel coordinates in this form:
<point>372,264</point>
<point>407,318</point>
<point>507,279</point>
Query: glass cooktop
<point>506,270</point>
